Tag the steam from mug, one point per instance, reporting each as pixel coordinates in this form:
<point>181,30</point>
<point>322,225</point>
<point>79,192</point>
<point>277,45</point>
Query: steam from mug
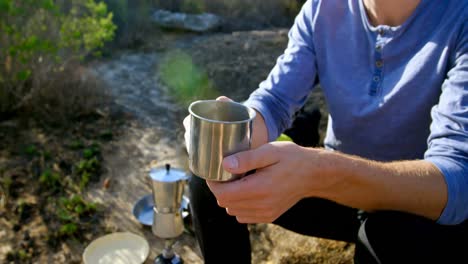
<point>217,129</point>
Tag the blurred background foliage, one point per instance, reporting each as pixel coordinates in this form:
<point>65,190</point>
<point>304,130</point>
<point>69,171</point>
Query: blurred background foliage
<point>42,44</point>
<point>133,17</point>
<point>240,14</point>
<point>267,11</point>
<point>185,80</point>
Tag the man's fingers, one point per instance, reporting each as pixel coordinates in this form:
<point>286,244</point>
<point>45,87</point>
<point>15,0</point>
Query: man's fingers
<point>224,98</point>
<point>230,191</point>
<point>247,188</point>
<point>186,123</point>
<point>246,161</point>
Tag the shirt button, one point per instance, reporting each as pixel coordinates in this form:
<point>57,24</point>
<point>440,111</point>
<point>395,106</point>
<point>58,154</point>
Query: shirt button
<point>379,63</point>
<point>376,78</point>
<point>378,48</point>
<point>380,31</point>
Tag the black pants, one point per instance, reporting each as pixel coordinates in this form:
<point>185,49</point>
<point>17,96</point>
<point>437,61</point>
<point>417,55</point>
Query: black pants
<point>380,237</point>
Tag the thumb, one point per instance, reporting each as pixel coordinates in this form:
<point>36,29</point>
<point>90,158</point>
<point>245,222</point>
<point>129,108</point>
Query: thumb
<point>246,161</point>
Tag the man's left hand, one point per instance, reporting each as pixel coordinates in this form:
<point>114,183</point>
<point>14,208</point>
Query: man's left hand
<point>277,184</point>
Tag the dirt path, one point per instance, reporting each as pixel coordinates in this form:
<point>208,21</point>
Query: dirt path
<point>153,138</point>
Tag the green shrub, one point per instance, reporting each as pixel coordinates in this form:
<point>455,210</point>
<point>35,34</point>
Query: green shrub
<point>50,180</point>
<point>41,39</point>
<point>68,230</point>
<point>70,211</point>
<point>89,167</point>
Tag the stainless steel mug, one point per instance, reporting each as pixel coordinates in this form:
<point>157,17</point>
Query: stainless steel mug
<point>218,129</point>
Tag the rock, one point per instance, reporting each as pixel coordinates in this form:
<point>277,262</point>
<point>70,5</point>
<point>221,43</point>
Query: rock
<point>192,22</point>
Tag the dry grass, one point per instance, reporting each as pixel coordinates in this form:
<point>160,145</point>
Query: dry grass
<point>54,94</point>
<point>43,48</point>
<point>65,94</point>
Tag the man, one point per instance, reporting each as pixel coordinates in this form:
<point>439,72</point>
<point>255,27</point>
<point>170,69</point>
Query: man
<point>393,177</point>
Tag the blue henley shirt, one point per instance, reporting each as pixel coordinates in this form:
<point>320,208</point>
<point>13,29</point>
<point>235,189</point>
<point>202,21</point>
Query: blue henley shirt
<point>393,93</point>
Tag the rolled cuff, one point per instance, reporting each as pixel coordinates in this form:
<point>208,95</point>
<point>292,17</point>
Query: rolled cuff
<point>456,209</point>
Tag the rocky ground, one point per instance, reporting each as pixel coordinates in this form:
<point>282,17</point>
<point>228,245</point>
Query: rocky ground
<point>147,131</point>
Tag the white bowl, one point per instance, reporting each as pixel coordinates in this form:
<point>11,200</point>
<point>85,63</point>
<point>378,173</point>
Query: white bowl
<point>117,248</point>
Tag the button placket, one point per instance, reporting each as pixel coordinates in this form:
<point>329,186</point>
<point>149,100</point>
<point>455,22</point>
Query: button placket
<point>378,67</point>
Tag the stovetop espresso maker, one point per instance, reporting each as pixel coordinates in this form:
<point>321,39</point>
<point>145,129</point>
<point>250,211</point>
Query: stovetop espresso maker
<point>168,188</point>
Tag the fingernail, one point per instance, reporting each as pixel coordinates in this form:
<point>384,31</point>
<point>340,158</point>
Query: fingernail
<point>231,162</point>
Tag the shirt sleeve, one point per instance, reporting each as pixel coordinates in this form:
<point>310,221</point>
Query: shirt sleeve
<point>448,141</point>
<point>287,86</point>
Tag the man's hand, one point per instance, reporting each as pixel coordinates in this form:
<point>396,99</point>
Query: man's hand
<point>186,123</point>
<point>277,184</point>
